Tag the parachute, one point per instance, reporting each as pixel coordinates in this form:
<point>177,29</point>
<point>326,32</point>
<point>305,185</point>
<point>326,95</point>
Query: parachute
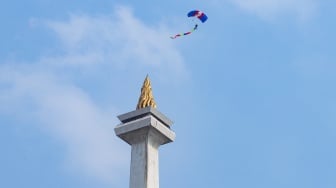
<point>199,14</point>
<point>193,14</point>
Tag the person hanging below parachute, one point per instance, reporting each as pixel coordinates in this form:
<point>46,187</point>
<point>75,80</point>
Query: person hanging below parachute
<point>193,14</point>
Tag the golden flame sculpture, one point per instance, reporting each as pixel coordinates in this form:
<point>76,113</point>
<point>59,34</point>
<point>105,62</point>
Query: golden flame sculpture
<point>146,98</point>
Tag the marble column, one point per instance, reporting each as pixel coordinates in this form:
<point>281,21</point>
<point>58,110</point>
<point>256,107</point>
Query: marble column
<point>145,129</point>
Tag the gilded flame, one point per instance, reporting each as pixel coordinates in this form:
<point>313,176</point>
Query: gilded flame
<point>146,98</point>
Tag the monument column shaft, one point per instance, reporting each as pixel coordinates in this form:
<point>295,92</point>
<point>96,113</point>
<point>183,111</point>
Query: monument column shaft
<point>145,130</point>
<point>144,164</point>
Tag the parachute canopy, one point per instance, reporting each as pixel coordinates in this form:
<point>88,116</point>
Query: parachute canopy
<point>199,14</point>
<point>194,13</point>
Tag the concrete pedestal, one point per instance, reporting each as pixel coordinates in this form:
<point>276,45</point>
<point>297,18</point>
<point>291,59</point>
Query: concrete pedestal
<point>145,130</point>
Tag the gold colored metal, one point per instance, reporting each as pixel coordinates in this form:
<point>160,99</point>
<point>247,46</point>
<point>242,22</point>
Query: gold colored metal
<point>146,98</point>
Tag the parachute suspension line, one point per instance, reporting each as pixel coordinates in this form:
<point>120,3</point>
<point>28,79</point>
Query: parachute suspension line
<point>186,33</point>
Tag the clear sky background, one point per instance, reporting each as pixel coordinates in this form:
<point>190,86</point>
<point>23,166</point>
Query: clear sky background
<point>252,91</point>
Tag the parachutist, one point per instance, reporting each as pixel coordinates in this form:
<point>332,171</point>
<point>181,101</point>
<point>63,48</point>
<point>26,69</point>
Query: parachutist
<point>193,14</point>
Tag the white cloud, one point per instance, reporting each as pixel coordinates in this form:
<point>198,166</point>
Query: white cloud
<point>67,113</point>
<point>47,93</point>
<point>271,9</point>
<point>119,39</point>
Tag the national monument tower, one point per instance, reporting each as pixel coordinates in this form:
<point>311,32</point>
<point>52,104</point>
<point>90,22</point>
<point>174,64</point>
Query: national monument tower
<point>145,129</point>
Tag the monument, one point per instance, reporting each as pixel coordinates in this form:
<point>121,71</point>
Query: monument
<point>145,129</point>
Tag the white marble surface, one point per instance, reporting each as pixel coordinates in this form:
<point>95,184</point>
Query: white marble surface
<point>145,133</point>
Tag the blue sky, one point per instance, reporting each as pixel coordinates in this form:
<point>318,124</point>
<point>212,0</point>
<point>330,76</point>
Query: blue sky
<point>251,92</point>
